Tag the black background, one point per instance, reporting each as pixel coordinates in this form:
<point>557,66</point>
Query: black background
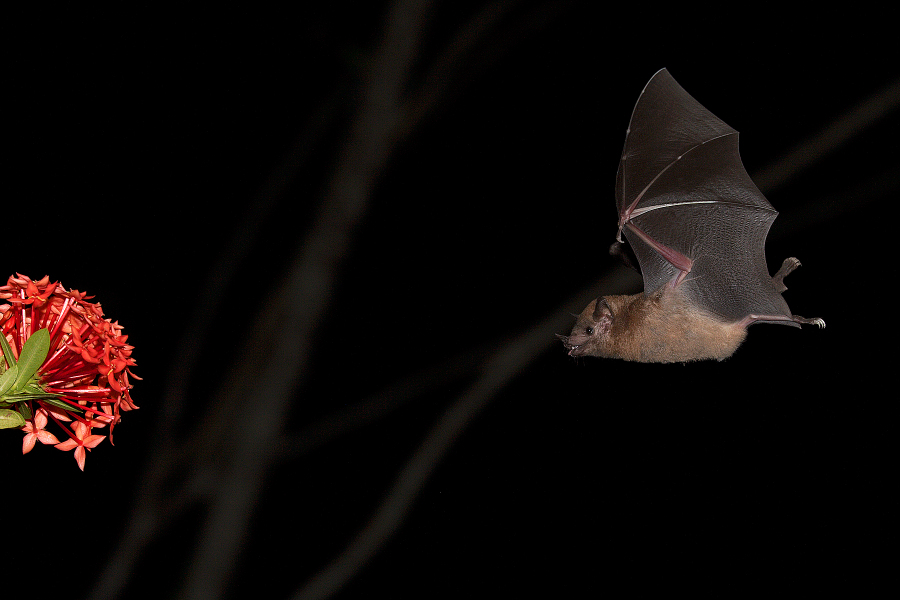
<point>138,144</point>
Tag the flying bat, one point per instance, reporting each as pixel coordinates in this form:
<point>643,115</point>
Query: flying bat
<point>697,225</point>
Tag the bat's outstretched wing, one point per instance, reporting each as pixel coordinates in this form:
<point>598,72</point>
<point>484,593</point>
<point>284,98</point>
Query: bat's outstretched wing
<point>689,209</point>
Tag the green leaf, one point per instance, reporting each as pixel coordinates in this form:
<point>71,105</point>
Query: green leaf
<point>10,419</point>
<point>32,388</point>
<point>7,351</point>
<point>60,404</point>
<point>8,379</point>
<point>33,355</point>
<point>25,410</point>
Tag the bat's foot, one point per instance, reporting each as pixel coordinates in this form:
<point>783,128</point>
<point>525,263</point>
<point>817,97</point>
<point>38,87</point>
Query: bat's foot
<point>818,322</point>
<point>787,266</point>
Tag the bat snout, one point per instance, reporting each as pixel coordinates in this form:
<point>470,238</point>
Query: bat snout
<point>573,344</point>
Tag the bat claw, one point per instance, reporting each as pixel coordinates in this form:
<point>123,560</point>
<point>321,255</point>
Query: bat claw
<point>820,323</point>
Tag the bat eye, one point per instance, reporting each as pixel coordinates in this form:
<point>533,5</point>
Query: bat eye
<point>589,330</point>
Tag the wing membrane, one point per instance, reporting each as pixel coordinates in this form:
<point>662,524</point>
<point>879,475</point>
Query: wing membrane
<point>681,183</point>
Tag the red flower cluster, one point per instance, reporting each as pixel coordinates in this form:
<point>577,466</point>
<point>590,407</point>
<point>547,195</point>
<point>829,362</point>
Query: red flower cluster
<point>85,378</point>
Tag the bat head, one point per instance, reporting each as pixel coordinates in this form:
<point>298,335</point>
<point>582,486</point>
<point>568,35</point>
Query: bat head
<point>590,336</point>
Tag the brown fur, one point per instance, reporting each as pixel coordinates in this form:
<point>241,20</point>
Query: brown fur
<point>660,327</point>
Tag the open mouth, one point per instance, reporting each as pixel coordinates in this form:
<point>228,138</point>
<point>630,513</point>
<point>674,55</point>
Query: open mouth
<point>572,348</point>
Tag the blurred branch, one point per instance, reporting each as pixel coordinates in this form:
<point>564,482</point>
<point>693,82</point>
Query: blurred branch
<point>467,50</point>
<point>818,211</point>
<point>153,509</point>
<point>366,411</point>
<point>846,126</point>
<point>299,304</point>
<point>499,369</point>
<point>438,82</point>
<point>296,308</point>
<point>383,118</point>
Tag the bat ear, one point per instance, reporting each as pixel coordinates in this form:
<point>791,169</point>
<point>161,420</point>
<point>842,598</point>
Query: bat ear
<point>600,308</point>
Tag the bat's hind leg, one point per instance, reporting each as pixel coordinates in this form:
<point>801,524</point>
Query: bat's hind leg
<point>751,319</point>
<point>787,266</point>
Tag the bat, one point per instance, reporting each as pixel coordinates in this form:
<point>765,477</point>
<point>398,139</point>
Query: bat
<point>697,225</point>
